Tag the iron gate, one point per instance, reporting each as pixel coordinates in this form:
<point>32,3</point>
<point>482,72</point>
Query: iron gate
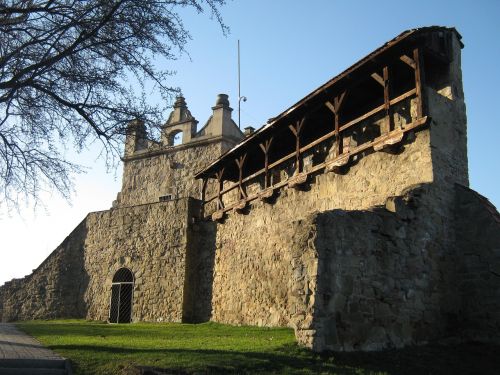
<point>122,290</point>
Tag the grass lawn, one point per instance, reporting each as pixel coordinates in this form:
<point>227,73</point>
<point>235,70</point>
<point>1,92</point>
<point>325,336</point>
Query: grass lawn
<point>210,348</point>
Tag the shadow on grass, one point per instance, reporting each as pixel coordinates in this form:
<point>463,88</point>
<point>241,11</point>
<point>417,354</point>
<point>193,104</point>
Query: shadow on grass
<point>289,359</point>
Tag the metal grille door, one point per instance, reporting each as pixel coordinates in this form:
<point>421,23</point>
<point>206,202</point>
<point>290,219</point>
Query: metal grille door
<point>122,289</point>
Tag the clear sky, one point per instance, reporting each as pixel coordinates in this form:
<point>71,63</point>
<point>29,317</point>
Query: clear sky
<point>288,48</point>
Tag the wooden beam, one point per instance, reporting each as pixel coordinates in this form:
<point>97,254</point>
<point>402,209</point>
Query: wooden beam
<point>337,103</point>
<point>338,100</point>
<point>330,106</point>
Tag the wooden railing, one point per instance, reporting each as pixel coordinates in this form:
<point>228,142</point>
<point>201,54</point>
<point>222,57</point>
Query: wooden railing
<point>341,149</point>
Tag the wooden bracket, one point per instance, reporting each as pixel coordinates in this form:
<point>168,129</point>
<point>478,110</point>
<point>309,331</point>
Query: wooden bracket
<point>409,61</point>
<point>337,103</point>
<point>218,215</point>
<point>239,162</point>
<point>218,175</point>
<point>265,148</point>
<point>296,131</point>
<point>378,78</point>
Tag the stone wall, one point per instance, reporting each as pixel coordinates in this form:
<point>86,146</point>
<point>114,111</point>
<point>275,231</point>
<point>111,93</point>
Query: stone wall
<point>75,280</point>
<point>360,264</point>
<point>147,178</point>
<point>386,279</point>
<point>55,289</point>
<point>150,240</point>
<point>254,263</point>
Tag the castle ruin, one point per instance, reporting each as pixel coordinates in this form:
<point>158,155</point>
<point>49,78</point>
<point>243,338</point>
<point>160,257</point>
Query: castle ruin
<point>347,217</point>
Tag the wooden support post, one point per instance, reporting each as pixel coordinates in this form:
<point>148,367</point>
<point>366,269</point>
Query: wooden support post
<point>265,148</point>
<point>335,108</point>
<point>384,82</point>
<point>203,192</point>
<point>239,162</point>
<point>387,100</point>
<point>419,79</point>
<point>218,175</point>
<point>296,131</point>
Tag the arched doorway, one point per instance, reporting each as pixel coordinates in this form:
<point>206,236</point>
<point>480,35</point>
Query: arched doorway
<point>122,289</point>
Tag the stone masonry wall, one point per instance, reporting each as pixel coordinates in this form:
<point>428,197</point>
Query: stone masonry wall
<point>260,241</point>
<point>75,280</point>
<point>386,279</point>
<point>150,240</point>
<point>253,261</point>
<point>55,289</point>
<point>170,172</point>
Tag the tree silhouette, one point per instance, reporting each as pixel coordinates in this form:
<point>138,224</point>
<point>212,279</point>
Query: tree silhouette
<point>66,71</point>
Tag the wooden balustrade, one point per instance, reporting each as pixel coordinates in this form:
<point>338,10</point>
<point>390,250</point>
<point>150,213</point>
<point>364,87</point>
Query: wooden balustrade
<point>342,152</point>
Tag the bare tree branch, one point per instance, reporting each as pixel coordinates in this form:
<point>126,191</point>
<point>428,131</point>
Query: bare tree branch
<point>65,67</point>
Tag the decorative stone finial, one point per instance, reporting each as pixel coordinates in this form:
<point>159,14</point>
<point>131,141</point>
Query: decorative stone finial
<point>222,99</point>
<point>180,102</point>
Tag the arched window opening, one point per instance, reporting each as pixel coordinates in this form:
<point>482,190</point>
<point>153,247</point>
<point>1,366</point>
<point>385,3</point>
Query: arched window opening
<point>175,138</point>
<point>123,275</point>
<point>122,290</point>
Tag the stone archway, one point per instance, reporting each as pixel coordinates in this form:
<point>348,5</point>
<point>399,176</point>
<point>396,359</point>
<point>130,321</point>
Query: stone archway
<point>122,291</point>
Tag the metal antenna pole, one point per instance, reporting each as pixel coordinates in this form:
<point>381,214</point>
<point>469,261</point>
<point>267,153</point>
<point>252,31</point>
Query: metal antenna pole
<point>240,98</point>
<point>239,88</point>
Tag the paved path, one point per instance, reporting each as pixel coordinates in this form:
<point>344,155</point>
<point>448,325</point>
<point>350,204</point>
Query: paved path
<point>21,354</point>
<point>15,344</point>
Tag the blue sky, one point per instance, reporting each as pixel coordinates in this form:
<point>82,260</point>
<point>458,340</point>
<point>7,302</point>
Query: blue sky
<point>288,48</point>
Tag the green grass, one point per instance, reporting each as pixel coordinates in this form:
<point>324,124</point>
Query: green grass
<point>210,348</point>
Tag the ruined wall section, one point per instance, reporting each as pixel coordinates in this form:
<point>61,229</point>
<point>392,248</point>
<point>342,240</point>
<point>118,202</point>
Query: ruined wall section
<point>478,244</point>
<point>384,279</point>
<point>150,240</point>
<point>55,289</point>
